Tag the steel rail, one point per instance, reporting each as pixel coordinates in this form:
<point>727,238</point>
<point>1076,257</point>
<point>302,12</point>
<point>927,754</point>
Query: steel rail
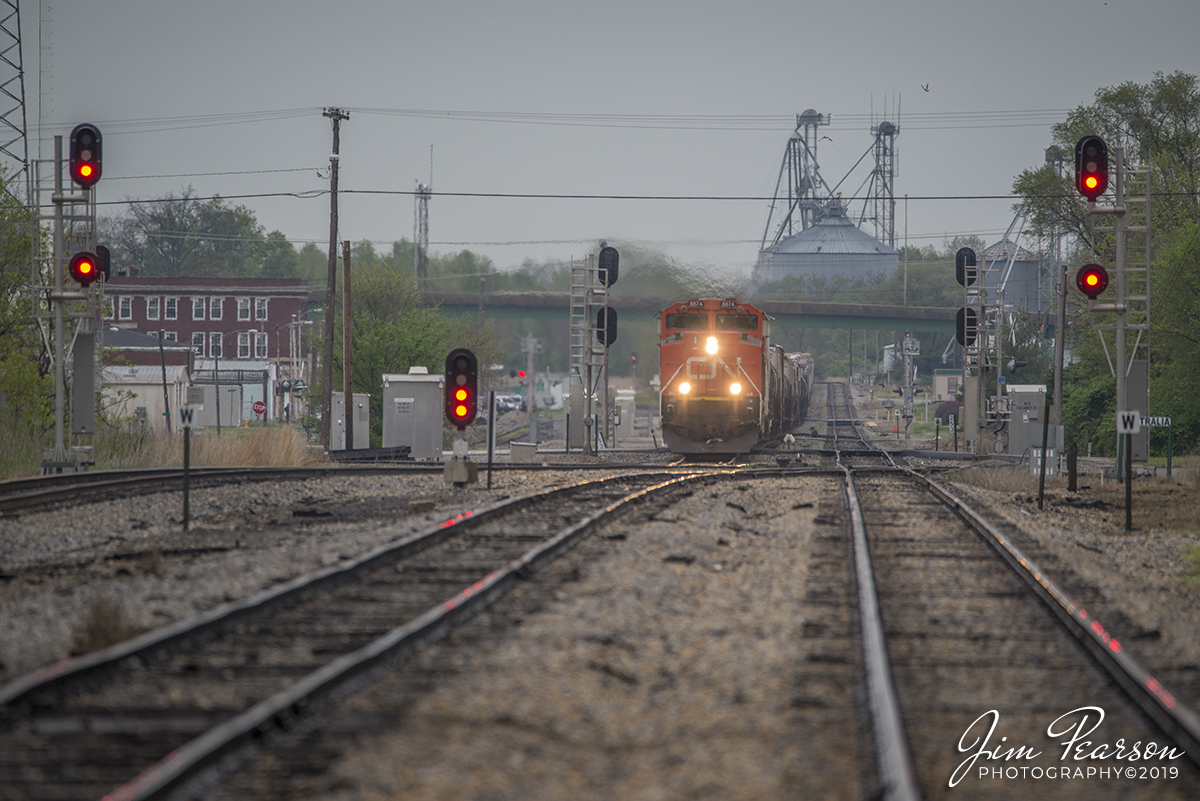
<point>20,494</point>
<point>50,677</point>
<point>893,760</point>
<point>393,647</point>
<point>1175,719</point>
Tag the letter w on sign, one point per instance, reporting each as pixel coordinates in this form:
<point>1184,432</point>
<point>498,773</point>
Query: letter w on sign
<point>1129,422</point>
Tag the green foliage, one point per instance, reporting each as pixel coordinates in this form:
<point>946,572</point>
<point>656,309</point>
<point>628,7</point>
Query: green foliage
<point>184,236</point>
<point>393,329</point>
<point>26,413</point>
<point>1158,125</point>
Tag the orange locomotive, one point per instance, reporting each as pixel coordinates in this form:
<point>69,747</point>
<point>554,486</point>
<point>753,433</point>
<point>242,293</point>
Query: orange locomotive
<point>725,388</point>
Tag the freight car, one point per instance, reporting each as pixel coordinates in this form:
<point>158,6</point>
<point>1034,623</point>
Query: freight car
<point>725,387</point>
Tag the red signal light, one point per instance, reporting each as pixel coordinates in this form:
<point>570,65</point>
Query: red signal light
<point>1092,280</point>
<point>520,374</point>
<point>85,155</point>
<point>83,268</point>
<point>1091,167</point>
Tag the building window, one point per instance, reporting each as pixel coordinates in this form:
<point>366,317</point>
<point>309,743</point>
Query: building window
<point>260,346</point>
<point>198,305</point>
<point>243,308</point>
<point>243,345</point>
<point>260,308</point>
<point>152,308</point>
<point>108,307</point>
<point>126,307</point>
<point>172,309</point>
<point>952,386</point>
<point>214,345</point>
<point>171,336</point>
<point>198,342</point>
<point>214,308</point>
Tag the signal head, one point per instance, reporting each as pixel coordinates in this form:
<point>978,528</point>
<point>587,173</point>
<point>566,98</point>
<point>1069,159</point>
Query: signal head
<point>1091,167</point>
<point>84,268</point>
<point>85,155</point>
<point>1092,280</point>
<point>462,387</point>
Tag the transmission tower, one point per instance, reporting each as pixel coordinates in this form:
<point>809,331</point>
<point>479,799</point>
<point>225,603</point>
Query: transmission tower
<point>14,143</point>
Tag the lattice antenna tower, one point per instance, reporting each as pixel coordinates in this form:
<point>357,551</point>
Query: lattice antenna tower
<point>421,226</point>
<point>800,190</point>
<point>14,142</point>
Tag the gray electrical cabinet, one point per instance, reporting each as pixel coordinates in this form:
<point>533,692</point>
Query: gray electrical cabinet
<point>413,408</point>
<point>362,421</point>
<point>1027,405</point>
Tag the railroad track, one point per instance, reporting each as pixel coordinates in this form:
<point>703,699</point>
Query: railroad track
<point>956,620</point>
<point>17,495</point>
<point>145,715</point>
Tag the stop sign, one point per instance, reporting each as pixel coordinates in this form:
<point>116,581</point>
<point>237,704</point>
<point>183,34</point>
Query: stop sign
<point>259,407</point>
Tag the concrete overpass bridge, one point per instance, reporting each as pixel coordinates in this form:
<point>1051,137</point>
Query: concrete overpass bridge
<point>555,306</point>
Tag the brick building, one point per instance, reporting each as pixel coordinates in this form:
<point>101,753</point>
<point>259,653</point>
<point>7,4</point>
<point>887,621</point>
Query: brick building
<point>237,324</point>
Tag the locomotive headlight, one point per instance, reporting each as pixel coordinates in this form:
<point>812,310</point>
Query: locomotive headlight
<point>735,389</point>
<point>711,345</point>
<point>684,388</point>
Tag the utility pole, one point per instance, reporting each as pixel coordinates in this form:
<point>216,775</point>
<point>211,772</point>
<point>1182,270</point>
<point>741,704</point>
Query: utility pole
<point>347,345</point>
<point>337,115</point>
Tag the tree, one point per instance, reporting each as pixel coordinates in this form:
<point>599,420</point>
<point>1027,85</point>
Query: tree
<point>1158,126</point>
<point>26,389</point>
<point>183,236</point>
<point>394,329</point>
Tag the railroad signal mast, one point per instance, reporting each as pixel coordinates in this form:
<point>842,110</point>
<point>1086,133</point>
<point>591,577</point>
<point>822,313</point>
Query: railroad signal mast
<point>1130,279</point>
<point>462,402</point>
<point>974,310</point>
<point>593,330</point>
<point>62,282</point>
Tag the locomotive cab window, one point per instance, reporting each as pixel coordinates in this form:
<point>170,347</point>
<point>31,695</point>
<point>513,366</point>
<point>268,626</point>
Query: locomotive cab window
<point>737,322</point>
<point>686,322</point>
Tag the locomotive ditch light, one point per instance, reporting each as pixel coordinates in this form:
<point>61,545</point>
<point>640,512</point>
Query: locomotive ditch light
<point>684,388</point>
<point>735,389</point>
<point>711,346</point>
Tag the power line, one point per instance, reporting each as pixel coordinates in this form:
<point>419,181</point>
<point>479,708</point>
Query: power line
<point>986,118</point>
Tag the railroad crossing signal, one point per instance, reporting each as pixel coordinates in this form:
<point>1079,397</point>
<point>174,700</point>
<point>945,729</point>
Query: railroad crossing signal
<point>84,268</point>
<point>1092,280</point>
<point>1091,167</point>
<point>85,155</point>
<point>462,387</point>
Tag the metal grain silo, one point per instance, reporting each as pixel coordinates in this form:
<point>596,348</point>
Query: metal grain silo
<point>833,246</point>
<point>1023,288</point>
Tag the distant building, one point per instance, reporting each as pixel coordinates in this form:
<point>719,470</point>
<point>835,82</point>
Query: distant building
<point>833,246</point>
<point>249,328</point>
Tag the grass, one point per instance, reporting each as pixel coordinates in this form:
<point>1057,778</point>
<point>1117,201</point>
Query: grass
<point>1002,478</point>
<point>282,446</point>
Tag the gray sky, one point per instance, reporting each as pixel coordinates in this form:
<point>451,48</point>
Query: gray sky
<point>625,97</point>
